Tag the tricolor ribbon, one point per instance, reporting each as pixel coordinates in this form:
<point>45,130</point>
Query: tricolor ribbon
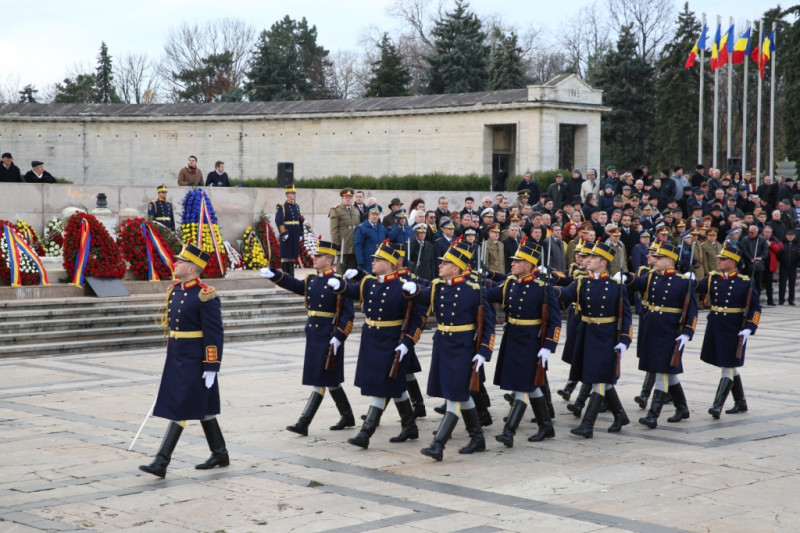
<point>154,244</point>
<point>15,273</point>
<point>152,275</point>
<point>205,217</point>
<point>84,250</point>
<point>28,250</point>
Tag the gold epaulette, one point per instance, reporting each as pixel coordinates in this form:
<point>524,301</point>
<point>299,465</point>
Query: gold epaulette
<point>682,276</point>
<point>746,278</point>
<point>714,273</point>
<point>207,292</point>
<point>475,286</point>
<point>540,282</point>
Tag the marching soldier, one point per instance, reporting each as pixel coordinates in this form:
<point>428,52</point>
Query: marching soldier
<point>671,310</point>
<point>345,218</point>
<point>734,316</point>
<point>460,343</point>
<point>391,324</point>
<point>576,270</point>
<point>330,320</point>
<point>160,210</point>
<point>189,389</point>
<point>644,269</point>
<point>525,296</point>
<point>290,229</point>
<point>602,337</point>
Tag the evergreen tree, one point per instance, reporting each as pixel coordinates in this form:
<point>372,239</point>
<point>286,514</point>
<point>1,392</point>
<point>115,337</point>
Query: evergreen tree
<point>627,84</point>
<point>80,90</point>
<point>212,82</point>
<point>28,94</point>
<point>287,64</point>
<point>790,66</point>
<point>508,69</point>
<point>674,140</point>
<point>104,75</point>
<point>460,60</point>
<point>389,76</point>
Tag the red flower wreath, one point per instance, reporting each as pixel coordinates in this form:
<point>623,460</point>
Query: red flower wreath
<point>269,240</point>
<point>134,249</point>
<point>105,259</point>
<point>28,278</point>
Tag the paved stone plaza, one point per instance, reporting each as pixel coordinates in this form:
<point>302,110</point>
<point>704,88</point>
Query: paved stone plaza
<point>67,422</point>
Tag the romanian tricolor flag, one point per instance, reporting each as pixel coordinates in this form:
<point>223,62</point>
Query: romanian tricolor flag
<point>725,47</point>
<point>742,48</point>
<point>767,47</point>
<point>699,45</point>
<point>715,49</point>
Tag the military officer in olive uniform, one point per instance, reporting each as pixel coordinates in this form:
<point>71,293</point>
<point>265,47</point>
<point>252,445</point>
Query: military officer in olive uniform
<point>524,294</point>
<point>160,210</point>
<point>322,335</point>
<point>603,335</point>
<point>668,325</point>
<point>728,293</point>
<point>345,218</point>
<point>189,387</point>
<point>290,229</point>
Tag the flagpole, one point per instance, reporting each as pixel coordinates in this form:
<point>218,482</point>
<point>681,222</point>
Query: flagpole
<point>744,115</point>
<point>715,119</point>
<point>730,93</point>
<point>758,104</point>
<point>772,59</point>
<point>700,109</point>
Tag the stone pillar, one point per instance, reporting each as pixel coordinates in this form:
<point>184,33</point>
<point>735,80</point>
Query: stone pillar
<point>581,154</point>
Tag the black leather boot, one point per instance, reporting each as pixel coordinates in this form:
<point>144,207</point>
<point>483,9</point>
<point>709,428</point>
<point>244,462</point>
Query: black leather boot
<point>482,404</point>
<point>543,420</point>
<point>475,430</point>
<point>647,386</point>
<point>216,443</point>
<point>679,399</point>
<point>441,409</point>
<point>576,408</point>
<point>347,419</point>
<point>740,403</point>
<point>725,385</point>
<point>159,465</point>
<point>436,449</point>
<point>586,429</point>
<point>301,427</point>
<point>514,418</point>
<point>615,406</point>
<point>567,391</point>
<point>651,420</point>
<point>416,398</point>
<point>548,398</point>
<point>407,421</point>
<point>367,428</point>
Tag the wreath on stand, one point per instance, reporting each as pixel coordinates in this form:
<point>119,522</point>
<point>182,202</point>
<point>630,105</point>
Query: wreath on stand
<point>147,252</point>
<point>17,255</point>
<point>269,240</point>
<point>30,235</point>
<point>308,245</point>
<point>199,226</point>
<point>90,251</point>
<point>254,256</point>
<point>54,237</point>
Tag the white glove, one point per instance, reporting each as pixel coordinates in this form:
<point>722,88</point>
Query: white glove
<point>683,339</point>
<point>744,334</point>
<point>409,287</point>
<point>209,376</point>
<point>335,343</point>
<point>403,350</point>
<point>692,276</point>
<point>480,360</point>
<point>543,269</point>
<point>617,277</point>
<point>267,273</point>
<point>350,273</point>
<point>285,237</point>
<point>622,348</point>
<point>544,355</point>
<point>334,283</point>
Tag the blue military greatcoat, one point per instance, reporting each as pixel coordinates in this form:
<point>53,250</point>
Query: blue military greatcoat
<point>289,222</point>
<point>194,346</point>
<point>321,304</point>
<point>161,212</point>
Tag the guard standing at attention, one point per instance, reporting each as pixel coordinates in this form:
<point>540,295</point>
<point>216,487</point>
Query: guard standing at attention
<point>461,343</point>
<point>189,389</point>
<point>160,210</point>
<point>731,297</point>
<point>290,229</point>
<point>330,321</point>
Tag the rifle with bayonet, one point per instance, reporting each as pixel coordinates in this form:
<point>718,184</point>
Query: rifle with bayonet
<point>475,380</point>
<point>403,331</point>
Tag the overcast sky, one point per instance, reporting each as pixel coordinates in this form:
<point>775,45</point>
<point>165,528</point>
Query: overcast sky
<point>42,40</point>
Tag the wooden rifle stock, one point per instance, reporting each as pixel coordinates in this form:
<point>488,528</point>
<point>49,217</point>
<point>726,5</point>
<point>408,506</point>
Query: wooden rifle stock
<point>539,378</point>
<point>676,352</point>
<point>475,379</point>
<point>330,361</point>
<point>403,331</point>
<point>619,330</point>
<point>740,344</point>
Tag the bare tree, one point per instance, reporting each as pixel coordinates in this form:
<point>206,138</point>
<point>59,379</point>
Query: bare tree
<point>544,64</point>
<point>9,88</point>
<point>585,35</point>
<point>188,45</point>
<point>346,74</point>
<point>651,20</point>
<point>135,77</point>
